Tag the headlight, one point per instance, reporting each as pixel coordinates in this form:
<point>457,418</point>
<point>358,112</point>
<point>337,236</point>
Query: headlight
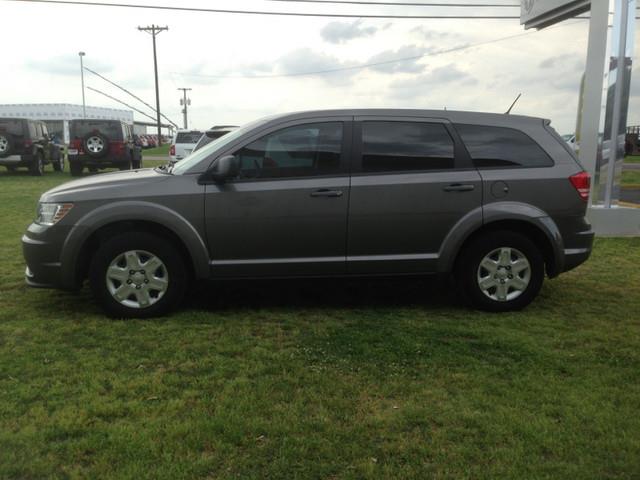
<point>52,213</point>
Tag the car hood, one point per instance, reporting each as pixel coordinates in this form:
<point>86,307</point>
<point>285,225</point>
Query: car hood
<point>105,185</point>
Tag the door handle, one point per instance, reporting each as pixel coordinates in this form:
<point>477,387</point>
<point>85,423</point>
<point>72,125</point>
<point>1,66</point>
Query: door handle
<point>326,192</point>
<point>459,187</point>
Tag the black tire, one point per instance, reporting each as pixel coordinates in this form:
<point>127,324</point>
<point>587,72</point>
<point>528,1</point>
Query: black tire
<point>58,164</point>
<point>96,145</point>
<point>93,169</point>
<point>125,165</point>
<point>75,168</point>
<point>6,144</point>
<point>173,268</point>
<point>469,272</point>
<point>37,165</point>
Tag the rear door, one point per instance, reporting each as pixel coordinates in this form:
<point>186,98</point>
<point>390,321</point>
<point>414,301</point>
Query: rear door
<point>412,182</point>
<point>286,213</point>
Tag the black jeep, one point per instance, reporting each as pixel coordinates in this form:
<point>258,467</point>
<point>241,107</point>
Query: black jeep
<point>98,144</point>
<point>26,143</point>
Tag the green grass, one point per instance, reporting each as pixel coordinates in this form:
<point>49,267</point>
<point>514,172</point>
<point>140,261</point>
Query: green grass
<point>632,159</point>
<point>630,178</point>
<point>320,379</point>
<point>162,150</point>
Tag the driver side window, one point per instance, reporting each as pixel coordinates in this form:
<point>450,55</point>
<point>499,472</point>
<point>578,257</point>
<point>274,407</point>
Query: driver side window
<point>300,151</point>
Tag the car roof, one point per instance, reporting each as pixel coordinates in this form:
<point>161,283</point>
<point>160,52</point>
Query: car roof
<point>455,116</point>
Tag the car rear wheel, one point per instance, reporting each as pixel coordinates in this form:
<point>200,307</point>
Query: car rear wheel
<point>125,165</point>
<point>37,165</point>
<point>58,165</point>
<point>500,271</point>
<point>137,274</point>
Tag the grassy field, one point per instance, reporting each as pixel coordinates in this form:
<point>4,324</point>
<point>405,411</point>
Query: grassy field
<point>320,379</point>
<point>631,178</point>
<point>632,159</point>
<point>162,150</point>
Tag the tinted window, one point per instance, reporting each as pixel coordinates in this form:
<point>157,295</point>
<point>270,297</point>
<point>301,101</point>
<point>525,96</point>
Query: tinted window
<point>13,127</point>
<point>303,150</point>
<point>404,146</point>
<point>502,147</point>
<point>82,128</point>
<point>188,137</point>
<point>206,139</point>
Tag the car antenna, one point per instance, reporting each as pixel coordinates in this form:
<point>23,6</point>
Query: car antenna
<point>513,104</point>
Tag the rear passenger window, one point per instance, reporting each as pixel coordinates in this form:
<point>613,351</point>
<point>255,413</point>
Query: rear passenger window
<point>406,146</point>
<point>502,147</point>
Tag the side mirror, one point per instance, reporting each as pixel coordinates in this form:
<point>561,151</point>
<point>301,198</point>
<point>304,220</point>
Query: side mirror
<point>225,167</point>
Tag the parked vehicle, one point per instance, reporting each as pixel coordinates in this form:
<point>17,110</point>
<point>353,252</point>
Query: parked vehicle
<point>26,143</point>
<point>213,134</point>
<point>571,141</point>
<point>183,143</point>
<point>497,200</point>
<point>98,144</point>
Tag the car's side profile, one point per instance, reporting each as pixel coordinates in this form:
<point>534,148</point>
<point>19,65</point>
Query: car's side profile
<point>497,200</point>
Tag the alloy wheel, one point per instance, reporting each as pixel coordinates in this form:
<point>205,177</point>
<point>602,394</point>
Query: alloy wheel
<point>137,279</point>
<point>95,144</point>
<point>504,274</point>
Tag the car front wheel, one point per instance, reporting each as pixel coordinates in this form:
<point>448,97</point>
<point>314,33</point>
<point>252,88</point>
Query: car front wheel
<point>501,271</point>
<point>137,275</point>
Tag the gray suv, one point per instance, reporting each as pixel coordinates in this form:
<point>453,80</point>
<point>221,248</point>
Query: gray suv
<point>497,200</point>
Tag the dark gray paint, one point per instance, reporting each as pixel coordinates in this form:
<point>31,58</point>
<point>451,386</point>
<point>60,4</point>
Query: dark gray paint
<point>401,223</point>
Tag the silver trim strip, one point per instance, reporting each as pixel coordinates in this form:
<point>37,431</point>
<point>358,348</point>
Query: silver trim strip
<point>354,258</point>
<point>268,261</point>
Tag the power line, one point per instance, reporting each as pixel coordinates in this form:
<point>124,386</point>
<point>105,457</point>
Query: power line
<point>129,93</point>
<point>120,101</point>
<point>401,4</point>
<point>368,65</point>
<point>282,14</point>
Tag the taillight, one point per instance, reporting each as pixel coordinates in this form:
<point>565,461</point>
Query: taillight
<point>582,183</point>
<point>118,148</point>
<point>28,143</point>
<point>76,144</point>
<point>172,150</point>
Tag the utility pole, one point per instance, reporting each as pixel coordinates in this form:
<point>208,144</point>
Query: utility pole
<point>154,30</point>
<point>185,102</point>
<point>84,105</point>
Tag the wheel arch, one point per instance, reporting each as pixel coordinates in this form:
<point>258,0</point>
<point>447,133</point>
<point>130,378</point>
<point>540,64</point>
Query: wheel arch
<point>521,218</point>
<point>112,219</point>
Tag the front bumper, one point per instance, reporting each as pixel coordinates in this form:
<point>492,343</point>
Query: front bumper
<point>42,247</point>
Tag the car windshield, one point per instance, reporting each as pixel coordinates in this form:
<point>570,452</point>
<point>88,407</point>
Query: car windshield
<point>184,165</point>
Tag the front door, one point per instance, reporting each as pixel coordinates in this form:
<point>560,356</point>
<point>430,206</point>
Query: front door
<point>412,182</point>
<point>286,212</point>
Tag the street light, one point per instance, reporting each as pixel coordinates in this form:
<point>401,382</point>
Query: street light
<point>84,107</point>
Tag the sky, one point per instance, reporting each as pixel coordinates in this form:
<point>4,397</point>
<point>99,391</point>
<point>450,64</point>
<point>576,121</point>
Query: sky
<point>478,65</point>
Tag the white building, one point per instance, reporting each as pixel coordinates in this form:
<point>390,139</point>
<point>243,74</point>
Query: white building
<point>57,115</point>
